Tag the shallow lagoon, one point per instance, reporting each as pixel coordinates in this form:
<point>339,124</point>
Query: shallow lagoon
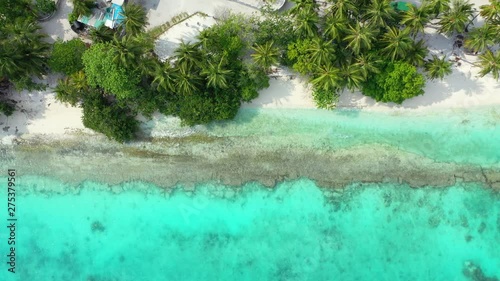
<point>95,210</point>
<point>294,232</point>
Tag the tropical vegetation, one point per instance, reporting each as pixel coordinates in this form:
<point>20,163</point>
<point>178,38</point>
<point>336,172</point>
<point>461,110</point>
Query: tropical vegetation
<point>203,81</point>
<point>66,56</point>
<point>354,45</point>
<point>354,42</point>
<point>437,68</point>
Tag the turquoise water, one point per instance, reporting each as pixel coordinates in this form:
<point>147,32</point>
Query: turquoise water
<point>294,232</point>
<point>463,136</point>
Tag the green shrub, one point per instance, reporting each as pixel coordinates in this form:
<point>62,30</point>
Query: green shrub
<point>399,81</point>
<point>72,17</point>
<point>252,80</point>
<point>102,34</point>
<point>67,56</point>
<point>325,99</point>
<point>112,120</point>
<point>6,108</point>
<point>45,6</point>
<point>102,71</point>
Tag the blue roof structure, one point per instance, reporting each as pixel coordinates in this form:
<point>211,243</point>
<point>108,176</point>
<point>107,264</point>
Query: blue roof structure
<point>112,17</point>
<point>118,14</point>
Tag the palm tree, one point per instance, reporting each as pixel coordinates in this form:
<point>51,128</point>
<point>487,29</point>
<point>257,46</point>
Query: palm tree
<point>343,9</point>
<point>491,12</point>
<point>79,80</point>
<point>351,76</point>
<point>415,19</point>
<point>23,31</point>
<point>397,43</point>
<point>301,5</point>
<point>127,50</point>
<point>165,76</point>
<point>457,18</point>
<point>436,7</point>
<point>322,52</point>
<point>327,78</point>
<point>437,67</point>
<point>72,88</point>
<point>306,23</point>
<point>417,53</point>
<point>102,34</point>
<point>359,37</point>
<point>135,19</point>
<point>23,51</point>
<point>335,27</point>
<point>147,66</point>
<point>265,55</point>
<point>204,38</point>
<point>10,62</point>
<point>496,29</point>
<point>489,62</point>
<point>66,92</point>
<point>216,74</point>
<point>380,13</point>
<point>82,7</point>
<point>188,54</point>
<point>479,39</point>
<point>186,82</point>
<point>368,64</point>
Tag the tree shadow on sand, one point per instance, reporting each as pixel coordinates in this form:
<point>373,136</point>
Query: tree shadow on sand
<point>147,4</point>
<point>59,27</point>
<point>29,106</point>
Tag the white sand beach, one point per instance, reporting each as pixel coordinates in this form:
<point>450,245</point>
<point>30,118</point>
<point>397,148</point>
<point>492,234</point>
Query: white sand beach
<point>40,113</point>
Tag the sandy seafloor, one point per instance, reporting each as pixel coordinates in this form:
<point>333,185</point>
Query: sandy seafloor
<point>356,194</point>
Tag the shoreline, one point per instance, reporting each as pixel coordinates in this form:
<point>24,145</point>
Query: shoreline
<point>223,160</point>
<point>270,146</point>
<point>39,113</point>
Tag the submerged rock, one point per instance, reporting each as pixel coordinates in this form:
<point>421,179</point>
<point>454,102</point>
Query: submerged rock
<point>475,273</point>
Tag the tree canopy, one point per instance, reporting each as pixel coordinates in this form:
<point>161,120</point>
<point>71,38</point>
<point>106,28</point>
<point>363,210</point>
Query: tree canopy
<point>102,71</point>
<point>398,81</point>
<point>66,56</point>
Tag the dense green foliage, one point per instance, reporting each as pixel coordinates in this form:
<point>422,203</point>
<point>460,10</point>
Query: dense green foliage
<point>13,9</point>
<point>437,67</point>
<point>135,19</point>
<point>203,82</point>
<point>111,119</point>
<point>82,7</point>
<point>457,17</point>
<point>199,78</point>
<point>6,108</point>
<point>345,48</point>
<point>66,56</point>
<point>397,82</point>
<point>45,6</point>
<point>490,63</point>
<point>102,71</point>
<point>362,45</point>
<point>23,50</point>
<point>483,38</point>
<point>72,89</point>
<point>102,34</point>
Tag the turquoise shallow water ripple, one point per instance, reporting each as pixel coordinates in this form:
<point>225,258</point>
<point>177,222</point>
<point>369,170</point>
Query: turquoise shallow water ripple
<point>463,136</point>
<point>294,232</point>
